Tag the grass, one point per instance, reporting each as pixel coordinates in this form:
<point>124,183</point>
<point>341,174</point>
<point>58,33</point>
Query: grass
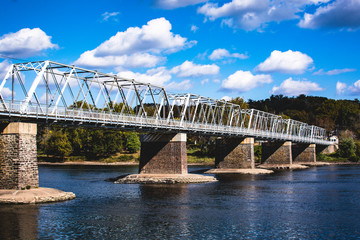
<point>196,156</point>
<point>330,158</point>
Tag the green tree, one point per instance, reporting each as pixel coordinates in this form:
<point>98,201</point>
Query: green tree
<point>58,144</point>
<point>347,149</point>
<point>133,142</point>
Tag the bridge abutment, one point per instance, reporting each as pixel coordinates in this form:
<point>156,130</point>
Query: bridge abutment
<point>18,156</point>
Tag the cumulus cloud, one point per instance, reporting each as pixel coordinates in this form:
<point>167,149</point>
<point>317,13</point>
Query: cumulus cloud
<point>194,28</point>
<point>226,98</point>
<point>222,53</point>
<point>25,43</point>
<point>172,4</point>
<point>183,86</point>
<point>340,88</point>
<point>106,16</point>
<point>190,69</point>
<point>253,14</point>
<point>343,88</point>
<point>6,92</point>
<point>156,76</point>
<point>204,81</point>
<point>292,87</point>
<point>4,67</point>
<point>336,14</point>
<point>334,71</point>
<point>136,47</point>
<point>243,81</point>
<point>293,62</point>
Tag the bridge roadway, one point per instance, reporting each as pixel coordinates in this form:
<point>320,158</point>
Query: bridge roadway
<point>55,93</point>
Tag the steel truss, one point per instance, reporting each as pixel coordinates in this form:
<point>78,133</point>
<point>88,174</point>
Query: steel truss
<point>67,94</point>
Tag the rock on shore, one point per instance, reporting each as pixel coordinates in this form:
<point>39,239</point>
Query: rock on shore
<point>34,196</point>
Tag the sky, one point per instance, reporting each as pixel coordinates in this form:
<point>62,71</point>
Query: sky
<point>219,49</point>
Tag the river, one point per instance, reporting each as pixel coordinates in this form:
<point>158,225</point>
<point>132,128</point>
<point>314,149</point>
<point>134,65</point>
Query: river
<point>317,203</point>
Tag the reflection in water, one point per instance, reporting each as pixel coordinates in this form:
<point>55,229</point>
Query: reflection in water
<point>18,221</point>
<point>308,204</point>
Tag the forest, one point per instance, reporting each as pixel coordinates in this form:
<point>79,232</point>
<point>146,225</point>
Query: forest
<point>338,117</point>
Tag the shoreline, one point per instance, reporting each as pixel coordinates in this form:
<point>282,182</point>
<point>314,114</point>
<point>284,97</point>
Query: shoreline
<point>93,163</point>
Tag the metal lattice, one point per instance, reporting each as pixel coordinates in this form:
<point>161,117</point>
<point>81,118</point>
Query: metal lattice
<point>67,94</point>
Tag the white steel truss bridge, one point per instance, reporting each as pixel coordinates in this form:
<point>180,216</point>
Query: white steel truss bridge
<point>51,92</point>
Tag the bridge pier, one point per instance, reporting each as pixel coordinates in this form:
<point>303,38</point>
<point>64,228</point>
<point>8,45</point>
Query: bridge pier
<point>163,154</point>
<point>303,153</point>
<point>163,159</point>
<point>18,156</point>
<point>235,155</point>
<point>278,155</point>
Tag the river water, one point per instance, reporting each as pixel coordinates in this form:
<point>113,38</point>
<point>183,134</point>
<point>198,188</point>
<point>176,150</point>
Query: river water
<point>317,203</point>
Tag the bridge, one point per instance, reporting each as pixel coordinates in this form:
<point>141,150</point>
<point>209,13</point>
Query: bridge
<point>53,93</point>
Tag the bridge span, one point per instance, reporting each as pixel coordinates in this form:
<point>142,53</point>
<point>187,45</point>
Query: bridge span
<point>54,93</point>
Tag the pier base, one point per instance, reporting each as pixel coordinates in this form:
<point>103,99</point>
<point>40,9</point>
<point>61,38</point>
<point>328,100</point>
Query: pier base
<point>235,155</point>
<point>163,159</point>
<point>18,157</point>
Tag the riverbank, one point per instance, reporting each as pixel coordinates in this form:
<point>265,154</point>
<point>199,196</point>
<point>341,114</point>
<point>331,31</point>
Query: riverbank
<point>94,163</point>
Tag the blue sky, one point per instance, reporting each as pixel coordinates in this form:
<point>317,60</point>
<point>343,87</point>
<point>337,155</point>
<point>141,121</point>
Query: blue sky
<point>246,48</point>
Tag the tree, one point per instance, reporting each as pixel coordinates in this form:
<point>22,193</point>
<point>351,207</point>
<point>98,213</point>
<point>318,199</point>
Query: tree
<point>58,144</point>
<point>133,142</point>
<point>347,149</point>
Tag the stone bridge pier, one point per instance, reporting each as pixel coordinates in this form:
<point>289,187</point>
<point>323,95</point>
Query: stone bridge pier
<point>18,156</point>
<point>303,153</point>
<point>279,155</point>
<point>163,159</point>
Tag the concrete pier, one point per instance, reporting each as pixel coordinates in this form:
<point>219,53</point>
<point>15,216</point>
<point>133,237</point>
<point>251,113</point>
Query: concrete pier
<point>163,160</point>
<point>18,156</point>
<point>235,155</point>
<point>278,155</point>
<point>303,153</point>
<point>163,154</point>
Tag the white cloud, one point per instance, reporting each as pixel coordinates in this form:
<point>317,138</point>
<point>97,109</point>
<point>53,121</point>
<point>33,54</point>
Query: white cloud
<point>293,62</point>
<point>6,92</point>
<point>253,14</point>
<point>221,53</point>
<point>189,69</point>
<point>336,14</point>
<point>343,88</point>
<point>106,16</point>
<point>4,67</point>
<point>340,88</point>
<point>292,87</point>
<point>156,76</point>
<point>243,81</point>
<point>25,43</point>
<point>194,28</point>
<point>172,4</point>
<point>183,86</point>
<point>136,47</point>
<point>204,81</point>
<point>334,71</point>
<point>226,98</point>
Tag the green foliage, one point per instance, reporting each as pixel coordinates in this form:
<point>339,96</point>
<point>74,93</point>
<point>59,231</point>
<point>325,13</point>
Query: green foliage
<point>133,142</point>
<point>347,149</point>
<point>58,144</point>
<point>257,152</point>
